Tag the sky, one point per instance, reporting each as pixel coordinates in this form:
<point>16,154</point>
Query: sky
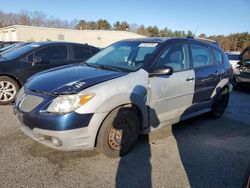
<point>212,17</point>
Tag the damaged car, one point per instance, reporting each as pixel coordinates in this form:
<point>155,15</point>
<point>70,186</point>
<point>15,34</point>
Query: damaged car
<point>242,71</point>
<point>129,88</point>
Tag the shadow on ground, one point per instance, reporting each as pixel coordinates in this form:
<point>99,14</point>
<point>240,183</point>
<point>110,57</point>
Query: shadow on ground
<point>214,153</point>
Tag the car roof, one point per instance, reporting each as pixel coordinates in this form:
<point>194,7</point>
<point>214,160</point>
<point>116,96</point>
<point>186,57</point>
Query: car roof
<point>168,39</point>
<point>57,42</point>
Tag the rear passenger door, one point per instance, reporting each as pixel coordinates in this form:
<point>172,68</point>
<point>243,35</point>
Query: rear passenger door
<point>80,53</point>
<point>207,72</point>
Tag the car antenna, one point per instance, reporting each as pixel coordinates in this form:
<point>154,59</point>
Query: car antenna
<point>196,30</point>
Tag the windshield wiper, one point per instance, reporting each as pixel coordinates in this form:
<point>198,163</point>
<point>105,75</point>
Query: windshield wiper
<point>89,64</point>
<point>99,66</point>
<point>109,68</point>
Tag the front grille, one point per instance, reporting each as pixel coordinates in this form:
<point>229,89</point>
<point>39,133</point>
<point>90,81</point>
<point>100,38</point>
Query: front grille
<point>30,102</point>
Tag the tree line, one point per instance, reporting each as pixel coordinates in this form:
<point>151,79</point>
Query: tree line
<point>232,42</point>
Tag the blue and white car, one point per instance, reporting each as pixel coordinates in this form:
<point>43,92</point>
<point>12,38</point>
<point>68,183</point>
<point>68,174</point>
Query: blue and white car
<point>131,87</point>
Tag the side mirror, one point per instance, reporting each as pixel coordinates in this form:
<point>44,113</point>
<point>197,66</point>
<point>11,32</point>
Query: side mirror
<point>160,71</point>
<point>36,60</point>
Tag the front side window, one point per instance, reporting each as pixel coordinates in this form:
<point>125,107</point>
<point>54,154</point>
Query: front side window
<point>52,53</point>
<point>201,56</point>
<point>218,56</point>
<point>128,56</point>
<point>175,56</point>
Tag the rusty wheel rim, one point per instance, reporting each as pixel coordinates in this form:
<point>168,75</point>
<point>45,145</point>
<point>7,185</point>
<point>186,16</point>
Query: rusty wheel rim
<point>118,135</point>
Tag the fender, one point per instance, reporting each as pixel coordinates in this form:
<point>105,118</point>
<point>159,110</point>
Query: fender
<point>125,99</point>
<point>224,82</point>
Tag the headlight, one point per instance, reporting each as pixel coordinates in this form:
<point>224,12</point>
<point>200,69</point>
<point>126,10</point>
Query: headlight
<point>68,103</point>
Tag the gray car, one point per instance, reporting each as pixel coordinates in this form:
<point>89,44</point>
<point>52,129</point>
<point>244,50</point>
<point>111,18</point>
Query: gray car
<point>129,88</point>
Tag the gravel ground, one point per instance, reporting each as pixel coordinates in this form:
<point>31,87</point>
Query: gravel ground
<point>200,152</point>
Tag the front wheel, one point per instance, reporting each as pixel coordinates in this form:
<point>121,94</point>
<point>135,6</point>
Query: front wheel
<point>118,133</point>
<point>8,90</point>
<point>220,104</point>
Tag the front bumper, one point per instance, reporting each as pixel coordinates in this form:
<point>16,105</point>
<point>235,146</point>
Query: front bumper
<point>67,132</point>
<point>71,140</point>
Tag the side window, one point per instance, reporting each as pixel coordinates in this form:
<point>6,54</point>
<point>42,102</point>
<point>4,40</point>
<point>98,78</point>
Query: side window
<point>218,56</point>
<point>82,52</point>
<point>201,56</point>
<point>52,53</point>
<point>175,56</point>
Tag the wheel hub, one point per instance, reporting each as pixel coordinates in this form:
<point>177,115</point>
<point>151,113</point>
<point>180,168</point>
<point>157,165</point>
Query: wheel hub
<point>118,136</point>
<point>7,91</point>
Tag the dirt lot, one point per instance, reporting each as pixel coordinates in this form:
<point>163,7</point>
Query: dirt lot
<point>200,152</point>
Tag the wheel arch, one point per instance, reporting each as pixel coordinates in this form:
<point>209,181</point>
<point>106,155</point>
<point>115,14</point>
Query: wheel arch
<point>223,84</point>
<point>138,106</point>
<point>14,78</point>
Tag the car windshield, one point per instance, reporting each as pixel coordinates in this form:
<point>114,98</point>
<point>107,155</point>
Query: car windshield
<point>127,56</point>
<point>20,51</point>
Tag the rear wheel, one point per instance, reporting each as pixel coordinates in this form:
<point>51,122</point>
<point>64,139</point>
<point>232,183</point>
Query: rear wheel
<point>118,133</point>
<point>8,90</point>
<point>220,104</point>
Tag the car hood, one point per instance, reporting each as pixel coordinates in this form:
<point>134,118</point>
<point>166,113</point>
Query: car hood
<point>69,79</point>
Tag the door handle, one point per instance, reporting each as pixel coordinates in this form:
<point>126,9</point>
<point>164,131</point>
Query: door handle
<point>190,79</point>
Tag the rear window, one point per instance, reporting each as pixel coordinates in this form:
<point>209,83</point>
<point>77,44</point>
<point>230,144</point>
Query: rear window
<point>218,56</point>
<point>82,52</point>
<point>201,56</point>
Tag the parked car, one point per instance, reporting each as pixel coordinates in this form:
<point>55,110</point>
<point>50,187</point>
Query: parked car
<point>242,71</point>
<point>18,65</point>
<point>11,47</point>
<point>130,87</point>
<point>6,43</point>
<point>234,58</point>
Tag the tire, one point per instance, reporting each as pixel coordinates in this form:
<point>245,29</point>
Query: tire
<point>219,105</point>
<point>118,133</point>
<point>246,180</point>
<point>8,90</point>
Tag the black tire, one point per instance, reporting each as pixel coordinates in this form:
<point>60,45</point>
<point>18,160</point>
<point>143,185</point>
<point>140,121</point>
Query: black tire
<point>246,180</point>
<point>118,133</point>
<point>219,105</point>
<point>8,90</point>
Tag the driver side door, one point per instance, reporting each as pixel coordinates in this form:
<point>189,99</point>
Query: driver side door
<point>171,95</point>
